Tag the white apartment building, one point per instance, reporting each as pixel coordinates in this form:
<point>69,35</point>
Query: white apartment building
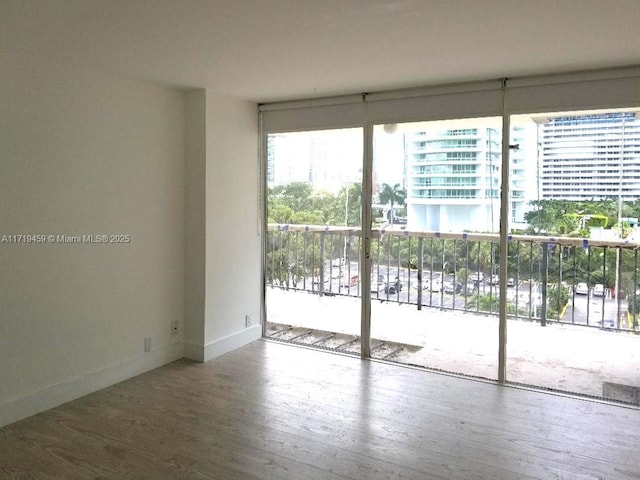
<point>454,179</point>
<point>590,157</point>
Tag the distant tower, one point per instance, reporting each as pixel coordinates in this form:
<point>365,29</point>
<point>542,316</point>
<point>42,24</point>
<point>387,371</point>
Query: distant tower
<point>590,157</point>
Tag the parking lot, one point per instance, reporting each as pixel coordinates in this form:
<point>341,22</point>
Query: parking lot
<point>393,284</point>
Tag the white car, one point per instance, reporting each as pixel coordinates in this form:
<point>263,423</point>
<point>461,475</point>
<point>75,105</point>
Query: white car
<point>477,277</point>
<point>607,323</point>
<point>598,290</point>
<point>582,289</point>
<point>434,285</point>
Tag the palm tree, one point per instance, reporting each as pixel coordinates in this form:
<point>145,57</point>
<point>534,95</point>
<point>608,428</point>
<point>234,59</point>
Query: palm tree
<point>392,195</point>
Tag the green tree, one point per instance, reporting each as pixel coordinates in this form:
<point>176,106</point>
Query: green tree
<point>291,256</point>
<point>557,298</point>
<point>349,203</point>
<point>481,255</point>
<point>484,303</point>
<point>553,217</point>
<point>572,218</point>
<point>391,196</point>
<point>297,203</point>
<point>296,195</point>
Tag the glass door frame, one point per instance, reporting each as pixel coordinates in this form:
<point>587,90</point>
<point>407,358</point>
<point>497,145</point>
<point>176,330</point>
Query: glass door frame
<point>573,91</point>
<point>367,234</point>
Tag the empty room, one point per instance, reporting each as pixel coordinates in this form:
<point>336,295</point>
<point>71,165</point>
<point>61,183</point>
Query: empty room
<point>318,239</point>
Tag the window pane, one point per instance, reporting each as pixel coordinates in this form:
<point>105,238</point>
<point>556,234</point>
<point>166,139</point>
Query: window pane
<point>576,270</point>
<point>436,202</point>
<point>312,265</point>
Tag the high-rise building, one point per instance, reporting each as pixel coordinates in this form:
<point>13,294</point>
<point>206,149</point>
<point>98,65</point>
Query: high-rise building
<point>590,157</point>
<point>454,179</point>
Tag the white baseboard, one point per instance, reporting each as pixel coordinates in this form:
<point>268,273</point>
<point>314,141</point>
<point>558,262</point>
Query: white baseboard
<point>51,397</point>
<point>222,345</point>
<point>55,395</point>
<point>194,352</point>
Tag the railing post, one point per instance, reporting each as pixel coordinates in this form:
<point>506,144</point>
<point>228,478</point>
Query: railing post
<point>618,286</point>
<point>466,282</point>
<point>574,249</point>
<point>304,261</point>
<point>543,285</point>
<point>280,259</point>
<point>288,269</point>
<point>531,270</point>
<point>420,268</point>
<point>604,281</point>
<point>635,289</point>
<point>323,235</point>
<point>588,283</point>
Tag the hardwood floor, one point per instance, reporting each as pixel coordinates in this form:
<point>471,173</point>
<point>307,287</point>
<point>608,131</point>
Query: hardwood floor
<point>274,411</point>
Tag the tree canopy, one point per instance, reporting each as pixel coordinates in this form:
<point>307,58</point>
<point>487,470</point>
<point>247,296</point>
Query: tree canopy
<point>297,204</point>
<point>392,195</point>
<point>572,218</point>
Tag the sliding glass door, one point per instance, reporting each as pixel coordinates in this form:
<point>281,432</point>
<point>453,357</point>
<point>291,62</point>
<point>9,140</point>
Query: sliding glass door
<point>312,265</point>
<point>577,262</point>
<point>436,203</point>
<point>418,227</point>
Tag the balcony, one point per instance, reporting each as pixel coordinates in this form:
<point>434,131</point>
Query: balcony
<point>436,300</point>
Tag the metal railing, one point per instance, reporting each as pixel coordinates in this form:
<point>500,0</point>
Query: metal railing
<point>550,279</point>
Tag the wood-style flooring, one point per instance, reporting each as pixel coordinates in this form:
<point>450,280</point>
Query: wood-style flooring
<point>275,411</point>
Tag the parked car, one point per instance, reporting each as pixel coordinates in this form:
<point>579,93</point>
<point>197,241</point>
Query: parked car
<point>607,323</point>
<point>598,290</point>
<point>494,280</point>
<point>511,282</point>
<point>390,289</point>
<point>434,285</point>
<point>451,287</point>
<point>394,287</point>
<point>477,277</point>
<point>350,282</point>
<point>582,289</point>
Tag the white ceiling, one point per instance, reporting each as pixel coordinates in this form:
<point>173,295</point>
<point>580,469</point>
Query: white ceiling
<point>266,50</point>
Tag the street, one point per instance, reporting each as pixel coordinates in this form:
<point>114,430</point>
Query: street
<point>437,291</point>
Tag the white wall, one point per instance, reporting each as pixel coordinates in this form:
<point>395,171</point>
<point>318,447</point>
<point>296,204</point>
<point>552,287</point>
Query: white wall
<point>222,243</point>
<point>195,222</point>
<point>87,153</point>
<point>232,224</point>
<point>452,218</point>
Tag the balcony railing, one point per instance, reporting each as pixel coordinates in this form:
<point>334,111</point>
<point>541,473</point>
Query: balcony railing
<point>550,279</point>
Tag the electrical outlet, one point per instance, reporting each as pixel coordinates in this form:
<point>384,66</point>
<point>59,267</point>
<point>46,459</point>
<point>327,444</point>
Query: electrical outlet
<point>147,344</point>
<point>248,321</point>
<point>174,327</point>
